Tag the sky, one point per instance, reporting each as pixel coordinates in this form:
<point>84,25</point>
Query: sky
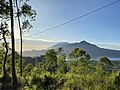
<point>101,28</point>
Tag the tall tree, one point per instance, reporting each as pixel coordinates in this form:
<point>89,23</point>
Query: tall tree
<point>14,78</point>
<point>4,16</point>
<point>24,11</point>
<point>20,38</point>
<point>4,32</point>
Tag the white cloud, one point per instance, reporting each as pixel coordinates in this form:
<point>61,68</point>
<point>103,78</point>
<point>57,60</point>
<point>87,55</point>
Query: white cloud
<point>38,39</point>
<point>30,47</point>
<point>113,46</point>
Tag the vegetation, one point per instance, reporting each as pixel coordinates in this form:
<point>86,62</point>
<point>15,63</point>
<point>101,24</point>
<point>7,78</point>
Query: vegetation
<point>9,11</point>
<point>55,73</point>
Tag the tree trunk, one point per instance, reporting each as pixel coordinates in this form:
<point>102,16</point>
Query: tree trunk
<point>21,55</point>
<point>13,47</point>
<point>5,58</point>
<point>4,79</point>
<point>20,38</point>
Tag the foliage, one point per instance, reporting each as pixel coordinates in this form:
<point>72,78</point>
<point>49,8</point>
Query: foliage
<point>55,73</point>
<point>9,9</point>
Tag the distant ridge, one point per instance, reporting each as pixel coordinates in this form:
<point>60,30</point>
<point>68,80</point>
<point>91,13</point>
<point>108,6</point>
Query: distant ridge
<point>60,44</point>
<point>34,53</point>
<point>94,51</point>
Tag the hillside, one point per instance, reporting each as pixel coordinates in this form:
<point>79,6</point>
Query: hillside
<point>94,51</point>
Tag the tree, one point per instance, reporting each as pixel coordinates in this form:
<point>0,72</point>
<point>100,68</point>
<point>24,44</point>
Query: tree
<point>104,60</point>
<point>77,53</point>
<point>1,58</point>
<point>117,81</point>
<point>19,23</point>
<point>79,61</point>
<point>50,60</point>
<point>6,13</point>
<point>25,11</point>
<point>4,16</point>
<point>27,70</point>
<point>4,32</point>
<point>4,10</point>
<point>105,63</point>
<point>62,67</point>
<point>13,46</point>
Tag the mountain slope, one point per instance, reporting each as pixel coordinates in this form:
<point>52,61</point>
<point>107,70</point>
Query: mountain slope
<point>34,53</point>
<point>61,44</point>
<point>94,51</point>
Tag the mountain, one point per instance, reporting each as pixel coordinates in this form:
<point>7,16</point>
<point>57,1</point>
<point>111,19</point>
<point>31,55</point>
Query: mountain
<point>34,53</point>
<point>60,44</point>
<point>94,51</point>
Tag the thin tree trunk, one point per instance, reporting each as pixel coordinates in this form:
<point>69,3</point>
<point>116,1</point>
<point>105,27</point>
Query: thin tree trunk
<point>13,47</point>
<point>4,80</point>
<point>20,38</point>
<point>21,55</point>
<point>5,58</point>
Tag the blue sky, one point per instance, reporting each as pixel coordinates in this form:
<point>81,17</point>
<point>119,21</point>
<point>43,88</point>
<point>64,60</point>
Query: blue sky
<point>102,27</point>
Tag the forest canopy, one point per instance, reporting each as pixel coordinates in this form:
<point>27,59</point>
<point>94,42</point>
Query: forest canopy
<point>53,72</point>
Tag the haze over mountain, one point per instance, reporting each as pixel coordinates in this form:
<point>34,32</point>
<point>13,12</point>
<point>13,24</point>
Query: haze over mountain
<point>61,44</point>
<point>94,51</point>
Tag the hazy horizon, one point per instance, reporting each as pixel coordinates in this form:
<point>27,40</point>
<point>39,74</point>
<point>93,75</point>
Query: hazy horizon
<point>29,45</point>
<point>101,28</point>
